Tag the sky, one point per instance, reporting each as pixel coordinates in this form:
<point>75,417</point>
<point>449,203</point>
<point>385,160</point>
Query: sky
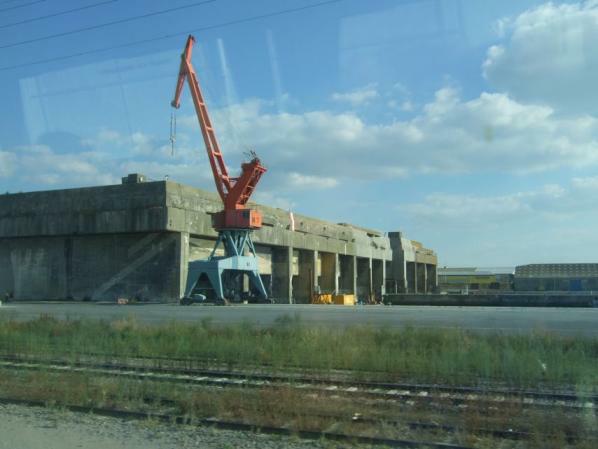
<point>470,126</point>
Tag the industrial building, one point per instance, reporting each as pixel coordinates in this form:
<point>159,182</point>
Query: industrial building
<point>573,277</point>
<point>134,240</point>
<point>468,280</point>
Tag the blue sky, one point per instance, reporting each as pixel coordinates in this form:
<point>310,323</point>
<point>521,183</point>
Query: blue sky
<point>471,126</point>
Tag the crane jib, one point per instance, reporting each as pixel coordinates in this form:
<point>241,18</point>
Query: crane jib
<point>234,192</point>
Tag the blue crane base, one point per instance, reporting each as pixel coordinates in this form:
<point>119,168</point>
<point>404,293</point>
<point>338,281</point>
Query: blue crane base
<point>235,242</point>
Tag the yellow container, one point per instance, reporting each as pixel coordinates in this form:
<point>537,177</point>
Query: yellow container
<point>344,300</point>
<point>322,298</point>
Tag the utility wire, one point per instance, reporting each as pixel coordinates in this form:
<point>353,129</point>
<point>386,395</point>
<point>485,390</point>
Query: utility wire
<point>61,13</point>
<point>168,36</point>
<point>22,6</point>
<point>102,25</point>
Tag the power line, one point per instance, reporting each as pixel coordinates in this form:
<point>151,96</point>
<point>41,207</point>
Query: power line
<point>61,13</point>
<point>168,36</point>
<point>22,6</point>
<point>102,25</point>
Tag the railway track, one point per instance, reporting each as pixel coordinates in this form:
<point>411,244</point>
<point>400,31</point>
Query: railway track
<point>244,426</point>
<point>509,434</point>
<point>456,395</point>
<point>449,395</point>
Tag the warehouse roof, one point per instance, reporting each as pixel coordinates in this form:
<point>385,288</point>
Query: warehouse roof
<point>474,271</point>
<point>557,270</point>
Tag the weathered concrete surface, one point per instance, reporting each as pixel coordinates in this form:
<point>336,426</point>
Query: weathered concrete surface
<point>93,210</point>
<point>189,211</point>
<point>167,206</point>
<point>496,300</point>
<point>92,267</point>
<point>512,320</point>
<point>413,267</point>
<point>135,240</point>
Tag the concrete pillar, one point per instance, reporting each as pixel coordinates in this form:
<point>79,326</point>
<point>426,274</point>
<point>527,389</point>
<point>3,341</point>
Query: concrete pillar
<point>405,280</point>
<point>315,272</point>
<point>329,272</point>
<point>337,273</point>
<point>383,285</point>
<point>348,274</point>
<point>378,277</point>
<point>282,274</point>
<point>364,278</point>
<point>432,278</point>
<point>420,277</point>
<point>410,277</point>
<point>415,276</point>
<point>304,281</point>
<point>370,280</point>
<point>354,274</point>
<point>182,261</point>
<point>399,266</point>
<point>391,285</point>
<point>7,281</point>
<point>68,267</point>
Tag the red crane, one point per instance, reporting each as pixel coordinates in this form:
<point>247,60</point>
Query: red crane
<point>235,223</point>
<point>235,192</point>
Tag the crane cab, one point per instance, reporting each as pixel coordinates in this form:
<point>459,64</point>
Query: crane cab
<point>237,219</point>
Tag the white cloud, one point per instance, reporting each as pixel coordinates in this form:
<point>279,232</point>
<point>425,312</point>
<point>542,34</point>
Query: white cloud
<point>407,106</point>
<point>549,56</point>
<point>357,97</point>
<point>137,143</point>
<point>474,210</point>
<point>7,163</point>
<point>39,165</point>
<point>319,148</point>
<point>492,132</point>
<point>549,204</point>
<point>273,199</point>
<point>311,182</point>
<point>110,156</point>
<point>587,183</point>
<point>551,223</point>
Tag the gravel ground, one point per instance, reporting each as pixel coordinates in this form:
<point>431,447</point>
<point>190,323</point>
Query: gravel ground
<point>45,428</point>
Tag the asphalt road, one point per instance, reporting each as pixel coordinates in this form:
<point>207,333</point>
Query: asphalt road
<point>565,321</point>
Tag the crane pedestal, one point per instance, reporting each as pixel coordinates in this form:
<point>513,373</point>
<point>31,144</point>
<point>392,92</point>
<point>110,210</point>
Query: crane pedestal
<point>218,269</point>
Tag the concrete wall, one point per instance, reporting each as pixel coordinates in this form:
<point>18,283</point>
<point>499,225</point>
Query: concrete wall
<point>579,283</point>
<point>95,267</point>
<point>413,267</point>
<point>496,300</point>
<point>136,240</point>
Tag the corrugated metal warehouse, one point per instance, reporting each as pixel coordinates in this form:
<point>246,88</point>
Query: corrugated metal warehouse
<point>574,277</point>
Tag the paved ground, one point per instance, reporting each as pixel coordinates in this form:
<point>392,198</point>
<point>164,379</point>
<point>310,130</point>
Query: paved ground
<point>39,428</point>
<point>565,321</point>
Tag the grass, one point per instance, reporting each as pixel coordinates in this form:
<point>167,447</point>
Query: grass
<point>295,410</point>
<point>425,355</point>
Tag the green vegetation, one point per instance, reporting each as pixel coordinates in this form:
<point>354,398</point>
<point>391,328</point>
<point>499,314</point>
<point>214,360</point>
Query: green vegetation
<point>422,355</point>
<point>295,410</point>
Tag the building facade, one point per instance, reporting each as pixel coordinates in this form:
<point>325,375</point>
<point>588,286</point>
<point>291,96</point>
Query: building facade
<point>571,277</point>
<point>135,240</point>
<point>475,280</point>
